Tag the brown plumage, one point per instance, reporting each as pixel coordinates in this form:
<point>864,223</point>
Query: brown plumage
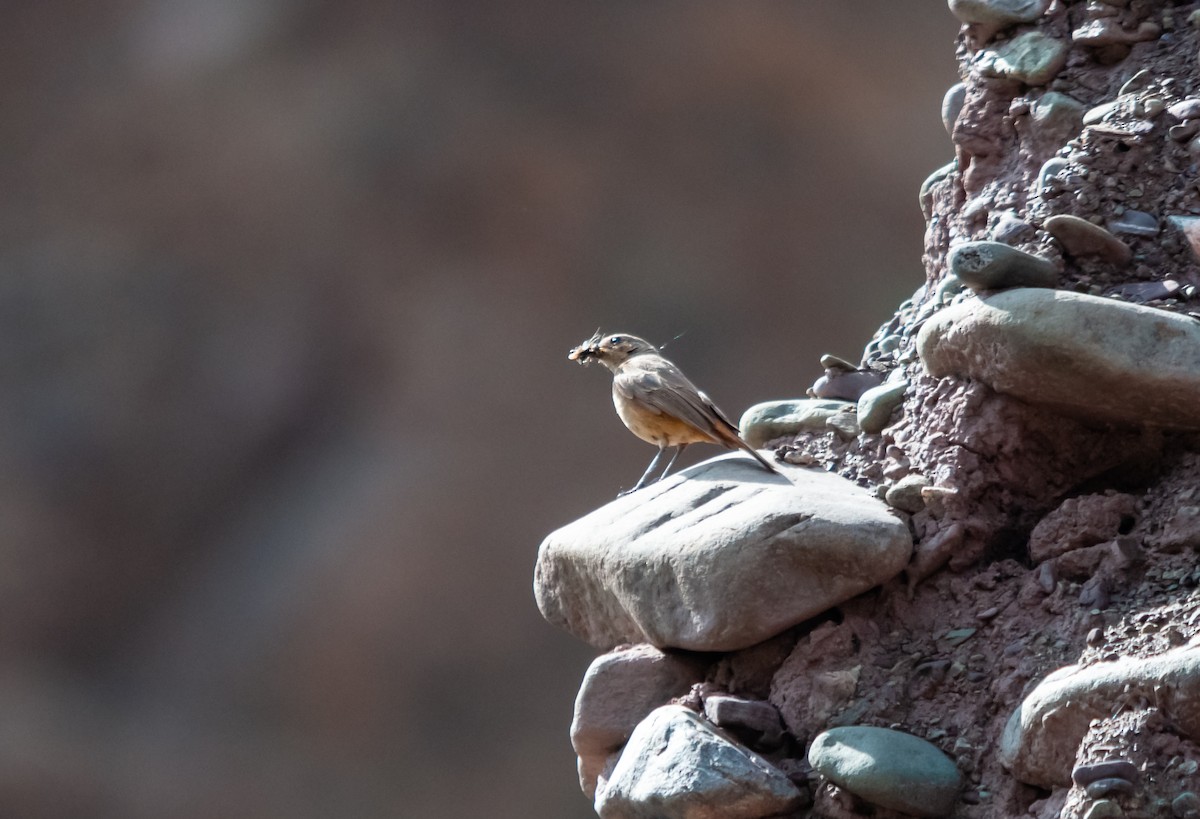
<point>657,402</point>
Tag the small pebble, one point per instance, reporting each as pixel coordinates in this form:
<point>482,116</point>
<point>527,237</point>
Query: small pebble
<point>1135,223</point>
<point>1103,809</point>
<point>1146,291</point>
<point>957,636</point>
<point>988,614</point>
<point>906,494</point>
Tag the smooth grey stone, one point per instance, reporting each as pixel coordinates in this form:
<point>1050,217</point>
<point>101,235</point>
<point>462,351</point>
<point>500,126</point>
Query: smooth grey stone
<point>753,721</point>
<point>952,105</point>
<point>1056,118</point>
<point>845,386</point>
<point>925,196</point>
<point>1050,170</point>
<point>1011,229</point>
<point>875,406</point>
<point>1110,785</point>
<point>1098,113</point>
<point>717,557</point>
<point>1136,223</point>
<point>998,12</point>
<point>989,265</point>
<point>1146,291</point>
<point>1185,109</point>
<point>1042,737</point>
<point>775,419</point>
<point>1103,809</point>
<point>1081,238</point>
<point>829,361</point>
<point>845,424</point>
<point>948,288</point>
<point>1089,357</point>
<point>675,766</point>
<point>905,494</point>
<point>888,768</point>
<point>1032,58</point>
<point>618,691</point>
<point>1084,775</point>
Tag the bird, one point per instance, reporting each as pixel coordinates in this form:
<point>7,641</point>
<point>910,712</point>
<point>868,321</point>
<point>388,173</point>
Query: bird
<point>657,402</point>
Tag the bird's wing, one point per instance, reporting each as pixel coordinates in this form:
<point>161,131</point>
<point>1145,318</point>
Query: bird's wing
<point>667,391</point>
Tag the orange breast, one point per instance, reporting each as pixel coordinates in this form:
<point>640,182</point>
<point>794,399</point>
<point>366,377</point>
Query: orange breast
<point>660,430</point>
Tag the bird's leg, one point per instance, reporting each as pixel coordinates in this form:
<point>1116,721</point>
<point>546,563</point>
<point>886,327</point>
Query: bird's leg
<point>678,451</point>
<point>649,470</point>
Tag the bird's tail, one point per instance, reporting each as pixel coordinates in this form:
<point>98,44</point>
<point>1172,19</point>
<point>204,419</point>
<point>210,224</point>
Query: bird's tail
<point>766,465</point>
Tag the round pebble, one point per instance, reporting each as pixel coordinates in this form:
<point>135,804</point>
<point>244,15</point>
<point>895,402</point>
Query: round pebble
<point>1103,809</point>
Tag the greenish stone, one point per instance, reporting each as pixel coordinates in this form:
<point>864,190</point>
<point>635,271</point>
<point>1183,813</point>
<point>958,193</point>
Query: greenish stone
<point>888,768</point>
<point>989,265</point>
<point>876,404</point>
<point>774,419</point>
<point>1032,58</point>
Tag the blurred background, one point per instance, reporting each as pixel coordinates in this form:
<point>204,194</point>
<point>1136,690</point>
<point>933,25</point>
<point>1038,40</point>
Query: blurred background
<point>286,292</point>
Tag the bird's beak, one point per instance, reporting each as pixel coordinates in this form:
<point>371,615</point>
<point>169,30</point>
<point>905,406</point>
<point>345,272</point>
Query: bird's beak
<point>586,352</point>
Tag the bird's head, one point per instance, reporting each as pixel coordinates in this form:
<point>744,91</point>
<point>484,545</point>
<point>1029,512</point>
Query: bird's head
<point>610,350</point>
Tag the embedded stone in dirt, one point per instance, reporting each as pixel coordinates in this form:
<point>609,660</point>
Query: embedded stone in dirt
<point>775,419</point>
<point>888,768</point>
<point>1080,522</point>
<point>1042,737</point>
<point>988,265</point>
<point>1087,357</point>
<point>618,691</point>
<point>875,406</point>
<point>1079,237</point>
<point>718,557</point>
<point>677,765</point>
<point>1033,58</point>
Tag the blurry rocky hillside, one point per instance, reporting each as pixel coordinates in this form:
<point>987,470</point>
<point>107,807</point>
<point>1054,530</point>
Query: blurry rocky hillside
<point>286,292</point>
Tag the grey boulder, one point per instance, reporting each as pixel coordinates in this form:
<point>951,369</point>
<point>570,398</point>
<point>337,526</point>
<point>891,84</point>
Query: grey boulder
<point>718,557</point>
<point>676,766</point>
<point>1042,737</point>
<point>618,691</point>
<point>1084,356</point>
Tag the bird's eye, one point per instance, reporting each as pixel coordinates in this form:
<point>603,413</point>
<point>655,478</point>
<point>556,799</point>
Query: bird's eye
<point>615,340</point>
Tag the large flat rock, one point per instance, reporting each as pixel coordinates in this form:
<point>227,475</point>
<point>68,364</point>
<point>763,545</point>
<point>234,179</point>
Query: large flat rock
<point>1088,357</point>
<point>718,557</point>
